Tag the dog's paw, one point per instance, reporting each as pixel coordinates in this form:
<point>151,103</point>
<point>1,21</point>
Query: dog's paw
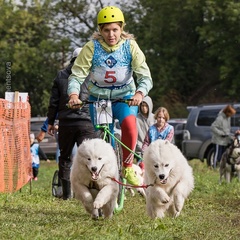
<point>141,192</point>
<point>176,214</point>
<point>95,215</point>
<point>97,204</point>
<point>164,198</point>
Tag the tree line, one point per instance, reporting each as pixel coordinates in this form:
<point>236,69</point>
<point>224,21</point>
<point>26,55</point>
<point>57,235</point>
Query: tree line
<point>191,47</point>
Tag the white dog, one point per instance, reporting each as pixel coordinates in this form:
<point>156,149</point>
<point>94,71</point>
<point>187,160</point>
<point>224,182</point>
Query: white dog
<point>230,162</point>
<point>170,179</point>
<point>93,168</point>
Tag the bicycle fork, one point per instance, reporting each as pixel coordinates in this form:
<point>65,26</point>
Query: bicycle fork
<point>120,203</point>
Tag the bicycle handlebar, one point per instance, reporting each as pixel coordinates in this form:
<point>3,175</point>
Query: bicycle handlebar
<point>94,101</point>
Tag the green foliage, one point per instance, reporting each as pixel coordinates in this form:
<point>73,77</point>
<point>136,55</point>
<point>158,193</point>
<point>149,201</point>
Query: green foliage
<point>190,46</point>
<point>211,212</point>
<point>25,40</point>
<point>220,34</point>
<point>191,49</point>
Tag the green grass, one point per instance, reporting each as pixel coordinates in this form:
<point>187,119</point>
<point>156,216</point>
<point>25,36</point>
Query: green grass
<point>211,212</point>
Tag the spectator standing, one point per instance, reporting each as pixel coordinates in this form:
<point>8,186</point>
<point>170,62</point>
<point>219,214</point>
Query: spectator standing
<point>74,125</point>
<point>221,129</point>
<point>110,59</point>
<point>36,154</point>
<point>145,119</point>
<point>160,130</point>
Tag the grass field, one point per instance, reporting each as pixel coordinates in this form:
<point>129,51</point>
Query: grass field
<point>211,212</point>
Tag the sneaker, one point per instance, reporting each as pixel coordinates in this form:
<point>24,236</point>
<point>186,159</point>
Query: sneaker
<point>131,176</point>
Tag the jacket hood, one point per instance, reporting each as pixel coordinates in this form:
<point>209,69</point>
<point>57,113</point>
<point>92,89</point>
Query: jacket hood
<point>149,102</point>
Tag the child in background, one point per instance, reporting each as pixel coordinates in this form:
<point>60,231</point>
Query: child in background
<point>36,153</point>
<point>160,130</point>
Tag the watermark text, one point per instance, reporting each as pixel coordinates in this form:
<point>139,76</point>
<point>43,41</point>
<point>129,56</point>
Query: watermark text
<point>8,78</point>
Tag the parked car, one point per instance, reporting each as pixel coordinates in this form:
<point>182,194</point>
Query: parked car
<point>179,126</point>
<point>197,133</point>
<point>49,144</point>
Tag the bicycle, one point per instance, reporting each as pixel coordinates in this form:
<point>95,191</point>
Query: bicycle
<point>56,184</point>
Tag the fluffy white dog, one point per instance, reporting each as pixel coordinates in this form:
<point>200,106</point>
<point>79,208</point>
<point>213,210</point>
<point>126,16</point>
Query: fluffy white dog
<point>170,177</point>
<point>93,168</point>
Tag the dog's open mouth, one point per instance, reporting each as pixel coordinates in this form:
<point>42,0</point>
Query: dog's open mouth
<point>164,181</point>
<point>95,176</point>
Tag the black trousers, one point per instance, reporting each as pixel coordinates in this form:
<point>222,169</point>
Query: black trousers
<point>67,137</point>
<point>35,172</point>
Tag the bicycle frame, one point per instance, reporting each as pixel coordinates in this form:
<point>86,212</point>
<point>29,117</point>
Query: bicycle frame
<point>104,118</point>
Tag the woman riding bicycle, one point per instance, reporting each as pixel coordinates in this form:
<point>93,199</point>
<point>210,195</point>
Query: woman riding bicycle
<point>110,59</point>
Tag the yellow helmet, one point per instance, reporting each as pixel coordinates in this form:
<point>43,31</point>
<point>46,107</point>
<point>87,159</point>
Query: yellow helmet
<point>110,14</point>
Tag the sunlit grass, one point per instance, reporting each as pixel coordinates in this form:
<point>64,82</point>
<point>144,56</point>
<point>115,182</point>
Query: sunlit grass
<point>211,212</point>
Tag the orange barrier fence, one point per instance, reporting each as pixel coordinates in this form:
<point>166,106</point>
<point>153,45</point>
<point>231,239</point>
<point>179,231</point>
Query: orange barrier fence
<point>15,156</point>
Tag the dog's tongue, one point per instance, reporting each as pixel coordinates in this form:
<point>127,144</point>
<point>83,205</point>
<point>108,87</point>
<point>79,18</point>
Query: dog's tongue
<point>94,176</point>
<point>163,181</point>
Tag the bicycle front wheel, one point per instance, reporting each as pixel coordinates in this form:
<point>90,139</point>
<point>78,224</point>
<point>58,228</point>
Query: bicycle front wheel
<point>56,185</point>
<point>119,154</point>
<point>118,151</point>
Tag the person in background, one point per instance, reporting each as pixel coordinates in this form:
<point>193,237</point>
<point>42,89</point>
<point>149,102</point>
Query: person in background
<point>145,119</point>
<point>221,129</point>
<point>110,60</point>
<point>160,130</point>
<point>74,150</point>
<point>74,124</point>
<point>41,136</point>
<point>36,154</point>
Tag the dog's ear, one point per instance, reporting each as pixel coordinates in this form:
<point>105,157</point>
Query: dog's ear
<point>166,142</point>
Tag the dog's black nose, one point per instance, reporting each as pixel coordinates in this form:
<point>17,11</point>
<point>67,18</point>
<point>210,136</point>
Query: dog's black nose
<point>94,169</point>
<point>161,176</point>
